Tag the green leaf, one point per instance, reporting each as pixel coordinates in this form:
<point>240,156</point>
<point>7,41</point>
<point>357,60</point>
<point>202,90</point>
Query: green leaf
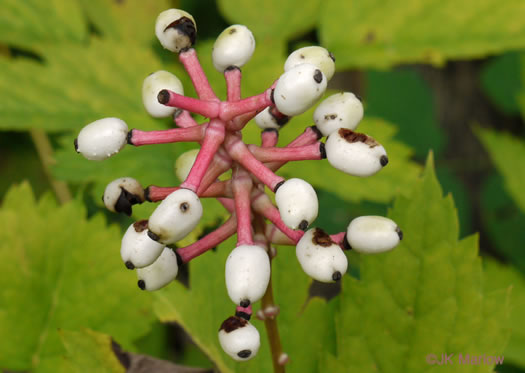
<point>304,327</point>
<point>424,297</point>
<point>62,272</point>
<point>130,20</point>
<point>89,351</point>
<point>382,33</point>
<point>37,24</point>
<point>277,19</point>
<point>396,177</point>
<point>508,155</point>
<point>500,277</point>
<point>78,85</point>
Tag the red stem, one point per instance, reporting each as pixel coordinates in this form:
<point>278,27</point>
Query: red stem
<point>220,163</point>
<point>212,140</point>
<point>300,153</point>
<point>240,153</point>
<point>139,138</point>
<point>184,119</point>
<point>233,83</point>
<point>192,65</point>
<point>229,110</point>
<point>242,187</point>
<point>269,138</point>
<point>212,239</point>
<point>206,108</point>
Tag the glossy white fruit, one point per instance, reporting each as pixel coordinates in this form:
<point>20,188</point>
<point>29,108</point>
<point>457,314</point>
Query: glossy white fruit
<point>320,257</point>
<point>137,249</point>
<point>175,29</point>
<point>184,163</point>
<point>247,274</point>
<point>122,193</point>
<point>298,89</point>
<point>102,138</point>
<point>373,234</point>
<point>315,55</point>
<point>266,119</point>
<point>153,84</point>
<point>233,47</point>
<point>297,203</point>
<point>342,110</point>
<point>355,153</point>
<point>176,216</point>
<point>160,273</point>
<point>239,339</point>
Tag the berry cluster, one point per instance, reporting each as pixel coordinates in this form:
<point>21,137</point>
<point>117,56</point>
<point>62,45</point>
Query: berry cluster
<point>257,222</point>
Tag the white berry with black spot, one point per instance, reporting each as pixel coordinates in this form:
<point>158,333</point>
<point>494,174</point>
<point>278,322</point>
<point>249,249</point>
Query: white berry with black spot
<point>271,118</point>
<point>314,55</point>
<point>297,203</point>
<point>138,250</point>
<point>342,110</point>
<point>233,47</point>
<point>160,273</point>
<point>176,216</point>
<point>175,29</point>
<point>355,153</point>
<point>373,234</point>
<point>102,138</point>
<point>320,257</point>
<point>247,274</point>
<point>153,84</point>
<point>121,194</point>
<point>298,89</point>
<point>239,339</point>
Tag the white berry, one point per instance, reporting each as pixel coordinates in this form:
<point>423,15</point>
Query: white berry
<point>373,234</point>
<point>269,119</point>
<point>239,338</point>
<point>175,29</point>
<point>342,110</point>
<point>247,274</point>
<point>298,89</point>
<point>137,249</point>
<point>102,138</point>
<point>314,55</point>
<point>160,273</point>
<point>355,153</point>
<point>297,203</point>
<point>184,163</point>
<point>320,257</point>
<point>153,84</point>
<point>176,216</point>
<point>233,47</point>
<point>122,193</point>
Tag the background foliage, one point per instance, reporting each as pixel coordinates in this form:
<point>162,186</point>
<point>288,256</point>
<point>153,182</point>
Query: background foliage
<point>437,76</point>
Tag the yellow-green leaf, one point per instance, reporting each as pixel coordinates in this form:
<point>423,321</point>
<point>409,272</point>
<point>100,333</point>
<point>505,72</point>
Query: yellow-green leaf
<point>61,271</point>
<point>382,33</point>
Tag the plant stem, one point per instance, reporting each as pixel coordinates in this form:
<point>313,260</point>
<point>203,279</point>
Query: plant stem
<point>45,153</point>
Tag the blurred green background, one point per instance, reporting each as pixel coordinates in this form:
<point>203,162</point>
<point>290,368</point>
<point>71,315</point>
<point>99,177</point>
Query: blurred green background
<point>437,76</point>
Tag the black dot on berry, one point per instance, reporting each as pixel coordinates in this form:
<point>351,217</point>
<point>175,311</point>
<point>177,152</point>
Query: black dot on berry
<point>318,76</point>
<point>244,354</point>
<point>399,233</point>
<point>346,244</point>
<point>322,150</point>
<point>184,206</point>
<point>303,225</point>
<point>141,284</point>
<point>129,265</point>
<point>75,142</point>
<point>129,137</point>
<point>245,303</point>
<point>330,54</point>
<point>244,315</point>
<point>163,97</point>
<point>232,31</point>
<point>383,160</point>
<point>153,236</point>
<point>336,276</point>
<point>278,186</point>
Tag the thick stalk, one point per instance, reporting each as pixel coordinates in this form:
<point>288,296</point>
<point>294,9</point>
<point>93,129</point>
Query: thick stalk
<point>194,69</point>
<point>45,153</point>
<point>300,153</point>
